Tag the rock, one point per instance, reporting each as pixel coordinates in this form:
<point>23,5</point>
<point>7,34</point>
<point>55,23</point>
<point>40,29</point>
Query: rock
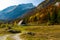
<point>14,31</point>
<point>30,33</point>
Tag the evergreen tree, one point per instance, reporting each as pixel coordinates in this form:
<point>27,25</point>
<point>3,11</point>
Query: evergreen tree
<point>35,19</point>
<point>54,17</point>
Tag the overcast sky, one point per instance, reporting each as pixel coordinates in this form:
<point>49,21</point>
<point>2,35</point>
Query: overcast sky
<point>6,3</point>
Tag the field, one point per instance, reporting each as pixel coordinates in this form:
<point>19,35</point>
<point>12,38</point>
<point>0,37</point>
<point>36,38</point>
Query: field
<point>34,32</point>
<point>42,33</point>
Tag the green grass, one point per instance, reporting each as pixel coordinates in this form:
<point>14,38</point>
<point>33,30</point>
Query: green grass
<point>5,27</point>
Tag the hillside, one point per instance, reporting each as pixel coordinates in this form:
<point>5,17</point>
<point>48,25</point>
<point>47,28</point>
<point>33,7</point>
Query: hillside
<point>15,11</point>
<point>45,13</point>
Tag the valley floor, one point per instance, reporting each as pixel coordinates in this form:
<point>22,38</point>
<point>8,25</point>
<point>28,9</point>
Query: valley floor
<point>33,33</point>
<point>42,33</point>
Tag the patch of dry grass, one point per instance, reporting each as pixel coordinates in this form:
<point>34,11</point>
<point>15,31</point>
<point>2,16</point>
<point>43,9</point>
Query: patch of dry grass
<point>42,33</point>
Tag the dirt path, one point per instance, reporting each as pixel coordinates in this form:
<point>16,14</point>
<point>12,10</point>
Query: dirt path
<point>14,36</point>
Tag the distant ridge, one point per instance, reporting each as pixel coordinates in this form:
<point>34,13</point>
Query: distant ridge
<point>46,3</point>
<point>13,12</point>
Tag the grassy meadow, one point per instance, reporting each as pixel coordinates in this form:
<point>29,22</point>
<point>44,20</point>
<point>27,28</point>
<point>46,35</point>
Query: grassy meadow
<point>42,33</point>
<point>33,32</point>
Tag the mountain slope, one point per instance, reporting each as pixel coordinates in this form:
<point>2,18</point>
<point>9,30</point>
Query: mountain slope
<point>46,12</point>
<point>13,12</point>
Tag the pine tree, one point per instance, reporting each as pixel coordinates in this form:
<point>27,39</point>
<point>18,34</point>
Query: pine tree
<point>54,17</point>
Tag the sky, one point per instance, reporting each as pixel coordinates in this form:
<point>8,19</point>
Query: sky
<point>6,3</point>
